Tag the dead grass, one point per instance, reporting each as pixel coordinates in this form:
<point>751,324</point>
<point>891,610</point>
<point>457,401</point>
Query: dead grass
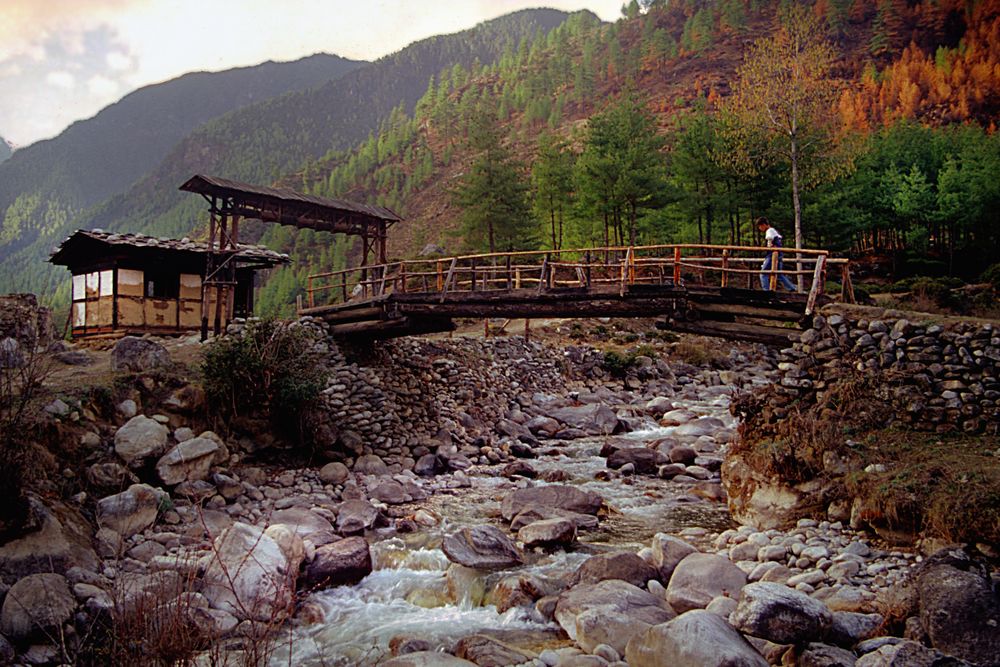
<point>908,481</point>
<point>945,486</point>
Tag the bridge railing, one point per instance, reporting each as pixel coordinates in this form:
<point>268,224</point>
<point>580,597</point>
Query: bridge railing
<point>607,267</point>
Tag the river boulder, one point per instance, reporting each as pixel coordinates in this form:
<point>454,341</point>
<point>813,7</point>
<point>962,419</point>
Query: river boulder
<point>959,609</point>
<point>550,497</point>
<point>623,565</point>
<point>344,562</point>
<point>354,516</point>
<point>780,614</point>
<point>250,575</point>
<point>36,605</point>
<point>131,511</point>
<point>188,461</point>
<point>668,551</point>
<point>547,533</point>
<point>593,419</point>
<point>696,638</point>
<point>644,461</point>
<point>699,578</point>
<point>482,548</point>
<point>609,612</point>
<point>140,438</point>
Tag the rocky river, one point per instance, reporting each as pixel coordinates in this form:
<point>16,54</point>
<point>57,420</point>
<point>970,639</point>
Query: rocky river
<point>566,516</point>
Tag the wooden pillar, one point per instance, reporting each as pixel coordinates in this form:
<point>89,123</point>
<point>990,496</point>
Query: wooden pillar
<point>209,267</point>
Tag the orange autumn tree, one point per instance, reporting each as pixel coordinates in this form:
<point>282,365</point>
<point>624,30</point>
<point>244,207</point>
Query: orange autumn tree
<point>784,109</point>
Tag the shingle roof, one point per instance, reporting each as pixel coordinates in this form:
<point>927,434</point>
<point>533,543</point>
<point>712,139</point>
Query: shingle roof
<point>223,186</point>
<point>249,253</point>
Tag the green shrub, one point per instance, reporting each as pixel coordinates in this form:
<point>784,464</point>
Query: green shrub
<point>270,370</point>
<point>617,363</point>
<point>992,276</point>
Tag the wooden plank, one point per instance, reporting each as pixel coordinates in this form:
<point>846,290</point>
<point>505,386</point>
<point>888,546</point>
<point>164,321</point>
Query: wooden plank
<point>740,310</point>
<point>754,333</point>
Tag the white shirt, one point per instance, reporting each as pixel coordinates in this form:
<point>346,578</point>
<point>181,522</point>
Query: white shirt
<point>771,235</point>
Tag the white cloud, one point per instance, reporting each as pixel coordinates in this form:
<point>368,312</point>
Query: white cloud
<point>111,47</point>
<point>61,79</point>
<point>102,86</point>
<point>118,61</point>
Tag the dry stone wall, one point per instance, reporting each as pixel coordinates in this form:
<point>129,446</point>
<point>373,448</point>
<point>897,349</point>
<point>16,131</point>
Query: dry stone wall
<point>22,319</point>
<point>403,398</point>
<point>942,373</point>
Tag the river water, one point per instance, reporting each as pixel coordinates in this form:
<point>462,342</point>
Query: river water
<point>414,592</point>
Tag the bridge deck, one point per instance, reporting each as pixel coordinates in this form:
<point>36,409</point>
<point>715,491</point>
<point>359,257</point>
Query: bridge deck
<point>689,293</point>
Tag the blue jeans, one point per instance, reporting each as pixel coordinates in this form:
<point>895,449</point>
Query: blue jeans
<point>765,277</point>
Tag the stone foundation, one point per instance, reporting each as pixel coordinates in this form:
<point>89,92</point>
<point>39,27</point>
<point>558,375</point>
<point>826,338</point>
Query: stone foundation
<point>942,373</point>
<point>22,319</point>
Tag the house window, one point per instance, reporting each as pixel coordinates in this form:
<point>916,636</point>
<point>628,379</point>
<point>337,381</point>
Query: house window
<point>162,285</point>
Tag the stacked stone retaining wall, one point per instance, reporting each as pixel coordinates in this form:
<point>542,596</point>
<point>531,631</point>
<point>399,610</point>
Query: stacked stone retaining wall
<point>402,398</point>
<point>942,373</point>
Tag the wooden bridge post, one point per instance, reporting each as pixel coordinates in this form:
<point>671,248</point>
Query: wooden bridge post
<point>677,266</point>
<point>725,268</point>
<point>509,283</point>
<point>440,275</point>
<point>472,267</point>
<point>309,291</point>
<point>773,279</point>
<point>587,268</point>
<point>402,277</point>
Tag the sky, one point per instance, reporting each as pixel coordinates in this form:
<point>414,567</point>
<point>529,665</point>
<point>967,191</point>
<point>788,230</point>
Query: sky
<point>64,60</point>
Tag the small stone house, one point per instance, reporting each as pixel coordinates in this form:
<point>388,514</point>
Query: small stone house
<point>132,283</point>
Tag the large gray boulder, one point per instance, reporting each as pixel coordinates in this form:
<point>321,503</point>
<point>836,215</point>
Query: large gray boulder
<point>138,355</point>
<point>644,461</point>
<point>609,612</point>
<point>780,614</point>
<point>699,427</point>
<point>547,533</point>
<point>548,498</point>
<point>252,572</point>
<point>131,511</point>
<point>959,610</point>
<point>908,654</point>
<point>139,439</point>
<point>699,578</point>
<point>188,461</point>
<point>340,563</point>
<point>303,521</point>
<point>38,604</point>
<point>61,541</point>
<point>697,638</point>
<point>623,565</point>
<point>481,547</point>
<point>356,516</point>
<point>486,650</point>
<point>823,655</point>
<point>370,464</point>
<point>667,552</point>
<point>334,472</point>
<point>593,419</point>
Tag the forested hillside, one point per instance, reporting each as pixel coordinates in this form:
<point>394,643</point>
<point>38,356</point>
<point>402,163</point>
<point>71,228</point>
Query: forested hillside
<point>5,150</point>
<point>642,129</point>
<point>45,187</point>
<point>541,130</point>
<point>262,141</point>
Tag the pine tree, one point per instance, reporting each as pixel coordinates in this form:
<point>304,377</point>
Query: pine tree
<point>493,194</point>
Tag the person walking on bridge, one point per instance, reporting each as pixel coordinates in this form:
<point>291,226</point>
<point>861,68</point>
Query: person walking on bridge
<point>773,240</point>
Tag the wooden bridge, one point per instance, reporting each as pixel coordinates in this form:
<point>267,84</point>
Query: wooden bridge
<point>707,289</point>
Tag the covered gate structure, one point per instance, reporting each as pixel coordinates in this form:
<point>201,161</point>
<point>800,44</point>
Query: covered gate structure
<point>229,202</point>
